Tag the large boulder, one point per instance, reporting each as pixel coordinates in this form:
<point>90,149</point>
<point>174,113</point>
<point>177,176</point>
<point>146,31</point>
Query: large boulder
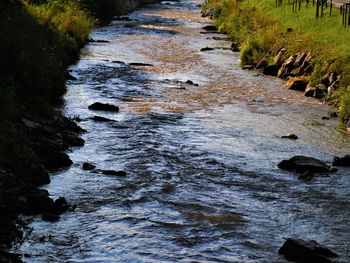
<point>304,164</point>
<point>301,251</point>
<point>103,107</point>
<point>297,83</point>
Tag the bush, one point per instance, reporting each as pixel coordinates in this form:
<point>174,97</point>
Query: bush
<point>103,10</point>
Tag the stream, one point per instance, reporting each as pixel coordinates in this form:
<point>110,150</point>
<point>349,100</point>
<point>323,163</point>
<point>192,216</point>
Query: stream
<point>202,181</point>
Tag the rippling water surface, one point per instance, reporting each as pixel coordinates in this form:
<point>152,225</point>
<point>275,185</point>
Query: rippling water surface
<point>202,183</point>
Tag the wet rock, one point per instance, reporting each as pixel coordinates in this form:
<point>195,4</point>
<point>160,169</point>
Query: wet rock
<point>54,160</point>
<point>333,114</point>
<point>286,67</point>
<point>301,251</point>
<point>168,188</point>
<point>103,107</point>
<point>61,205</point>
<point>297,83</point>
<point>299,59</point>
<point>279,57</point>
<point>207,49</point>
<point>101,119</point>
<point>234,46</point>
<point>73,139</point>
<point>98,41</point>
<point>306,67</point>
<point>114,173</point>
<point>31,201</point>
<point>271,70</point>
<point>118,62</point>
<point>138,64</point>
<point>290,136</point>
<point>219,38</point>
<point>188,82</point>
<point>122,18</point>
<point>50,217</point>
<point>263,63</point>
<point>248,67</point>
<point>342,161</point>
<point>88,166</point>
<point>303,164</point>
<point>210,28</point>
<point>70,76</point>
<point>318,91</point>
<point>332,88</point>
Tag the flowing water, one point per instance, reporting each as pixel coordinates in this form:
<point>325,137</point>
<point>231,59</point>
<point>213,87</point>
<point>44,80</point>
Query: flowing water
<point>202,181</point>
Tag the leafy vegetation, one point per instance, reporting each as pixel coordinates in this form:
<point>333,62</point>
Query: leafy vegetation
<point>261,28</point>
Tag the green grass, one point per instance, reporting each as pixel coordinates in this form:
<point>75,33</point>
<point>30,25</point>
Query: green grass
<point>262,29</point>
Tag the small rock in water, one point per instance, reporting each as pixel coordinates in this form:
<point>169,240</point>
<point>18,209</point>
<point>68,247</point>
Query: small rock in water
<point>101,119</point>
<point>290,136</point>
<point>301,251</point>
<point>61,205</point>
<point>210,28</point>
<point>342,161</point>
<point>190,82</point>
<point>50,217</point>
<point>206,49</point>
<point>248,67</point>
<point>103,107</point>
<point>168,188</point>
<point>137,64</point>
<point>235,47</point>
<point>112,172</point>
<point>88,166</point>
<point>304,164</point>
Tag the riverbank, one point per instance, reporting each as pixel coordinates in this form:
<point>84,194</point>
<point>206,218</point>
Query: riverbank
<point>40,39</point>
<point>312,54</point>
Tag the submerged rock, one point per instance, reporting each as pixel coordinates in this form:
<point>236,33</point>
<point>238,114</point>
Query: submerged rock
<point>103,107</point>
<point>50,217</point>
<point>210,28</point>
<point>342,161</point>
<point>138,64</point>
<point>290,136</point>
<point>304,164</point>
<point>88,166</point>
<point>112,172</point>
<point>101,119</point>
<point>301,251</point>
<point>207,49</point>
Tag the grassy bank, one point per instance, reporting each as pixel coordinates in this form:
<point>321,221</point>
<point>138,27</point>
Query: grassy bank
<point>261,29</point>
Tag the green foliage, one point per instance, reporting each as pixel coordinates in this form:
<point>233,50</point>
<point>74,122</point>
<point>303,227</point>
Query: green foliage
<point>261,28</point>
<point>343,101</point>
<point>64,17</point>
<point>104,10</point>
